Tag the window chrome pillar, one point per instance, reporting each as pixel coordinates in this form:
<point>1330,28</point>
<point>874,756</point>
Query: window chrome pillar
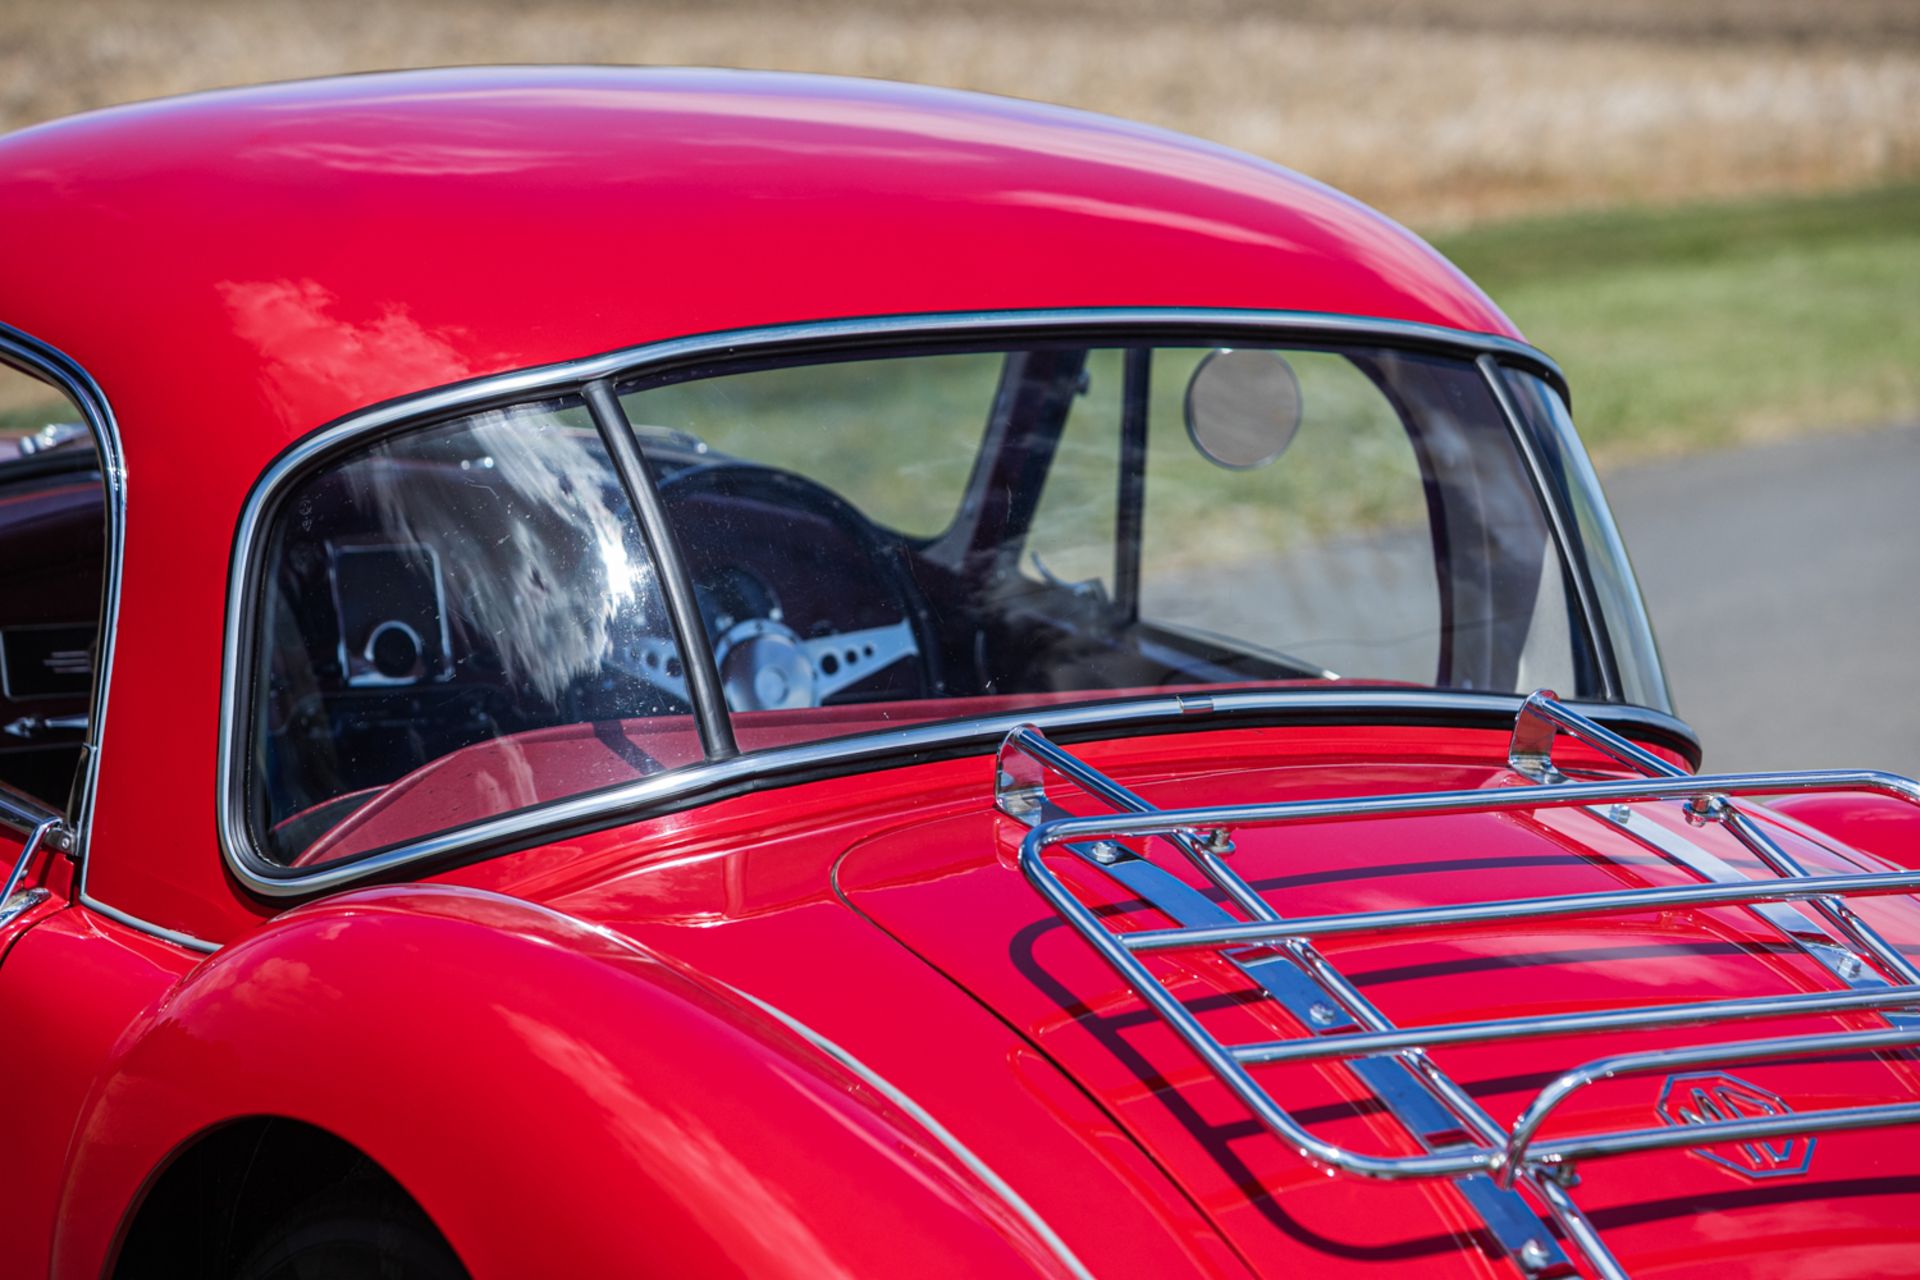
<point>703,674</point>
<point>1598,642</point>
<point>1130,502</point>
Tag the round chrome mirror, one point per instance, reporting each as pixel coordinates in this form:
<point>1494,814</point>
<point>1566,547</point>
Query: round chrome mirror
<point>1243,407</point>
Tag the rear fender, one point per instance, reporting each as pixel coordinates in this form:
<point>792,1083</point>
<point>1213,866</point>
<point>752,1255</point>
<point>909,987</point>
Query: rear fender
<point>559,1100</point>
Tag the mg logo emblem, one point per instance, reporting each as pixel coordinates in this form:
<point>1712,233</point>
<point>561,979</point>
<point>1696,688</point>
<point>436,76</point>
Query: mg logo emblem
<point>1705,1097</point>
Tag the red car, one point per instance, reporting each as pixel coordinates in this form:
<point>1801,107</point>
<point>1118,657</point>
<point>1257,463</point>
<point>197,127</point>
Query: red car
<point>648,673</point>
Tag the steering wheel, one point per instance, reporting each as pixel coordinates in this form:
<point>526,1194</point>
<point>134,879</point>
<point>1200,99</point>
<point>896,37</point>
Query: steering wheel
<point>796,613</point>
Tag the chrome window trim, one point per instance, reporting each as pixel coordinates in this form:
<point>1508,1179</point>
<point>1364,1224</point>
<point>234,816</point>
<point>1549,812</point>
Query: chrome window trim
<point>1559,526</point>
<point>1561,437</point>
<point>699,671</point>
<point>664,791</point>
<point>147,927</point>
<point>268,879</point>
<point>24,351</point>
<point>49,363</point>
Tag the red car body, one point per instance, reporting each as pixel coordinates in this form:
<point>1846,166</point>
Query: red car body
<point>816,1025</point>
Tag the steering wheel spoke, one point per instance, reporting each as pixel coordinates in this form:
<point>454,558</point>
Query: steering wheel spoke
<point>656,660</point>
<point>848,657</point>
<point>736,520</point>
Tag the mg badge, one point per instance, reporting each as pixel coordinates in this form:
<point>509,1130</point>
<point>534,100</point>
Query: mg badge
<point>1705,1097</point>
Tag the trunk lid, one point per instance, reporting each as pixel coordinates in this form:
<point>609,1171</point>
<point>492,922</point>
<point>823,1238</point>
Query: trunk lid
<point>948,888</point>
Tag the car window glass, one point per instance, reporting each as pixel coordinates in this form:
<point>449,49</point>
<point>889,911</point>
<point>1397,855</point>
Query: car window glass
<point>1635,657</point>
<point>52,556</point>
<point>463,620</point>
<point>1073,534</point>
<point>457,623</point>
<point>1393,536</point>
<point>1546,656</point>
<point>896,438</point>
<point>1334,531</point>
<point>1325,553</point>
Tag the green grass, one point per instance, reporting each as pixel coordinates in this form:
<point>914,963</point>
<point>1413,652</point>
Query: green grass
<point>28,418</point>
<point>1690,328</point>
<point>1680,330</point>
<point>900,438</point>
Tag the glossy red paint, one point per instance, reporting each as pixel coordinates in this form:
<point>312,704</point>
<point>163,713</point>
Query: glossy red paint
<point>1881,826</point>
<point>821,1030</point>
<point>631,1146</point>
<point>923,856</point>
<point>239,268</point>
<point>644,932</point>
<point>911,881</point>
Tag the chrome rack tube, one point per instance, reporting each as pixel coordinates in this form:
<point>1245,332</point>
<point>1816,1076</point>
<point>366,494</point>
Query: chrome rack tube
<point>1532,755</point>
<point>1203,835</point>
<point>1317,1150</point>
<point>1716,894</point>
<point>1626,1064</point>
<point>1542,715</point>
<point>1835,911</point>
<point>1021,802</point>
<point>1510,1224</point>
<point>1164,822</point>
<point>1597,1146</point>
<point>1492,1031</point>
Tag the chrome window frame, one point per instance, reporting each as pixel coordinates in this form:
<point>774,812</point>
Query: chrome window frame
<point>1561,440</point>
<point>74,837</point>
<point>717,778</point>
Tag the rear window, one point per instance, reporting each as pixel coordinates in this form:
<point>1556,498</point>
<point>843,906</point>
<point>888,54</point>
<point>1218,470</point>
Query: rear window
<point>456,623</point>
<point>470,618</point>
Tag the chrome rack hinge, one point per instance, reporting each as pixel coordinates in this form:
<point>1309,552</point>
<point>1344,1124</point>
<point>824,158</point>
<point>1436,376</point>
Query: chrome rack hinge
<point>41,827</point>
<point>1530,750</point>
<point>21,903</point>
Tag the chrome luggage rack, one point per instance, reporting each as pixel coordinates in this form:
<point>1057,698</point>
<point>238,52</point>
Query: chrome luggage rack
<point>1489,1163</point>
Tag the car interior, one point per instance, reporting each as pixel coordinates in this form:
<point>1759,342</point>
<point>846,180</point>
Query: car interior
<point>52,552</point>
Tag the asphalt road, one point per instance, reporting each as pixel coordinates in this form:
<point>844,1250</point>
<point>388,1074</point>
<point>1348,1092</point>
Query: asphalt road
<point>1784,583</point>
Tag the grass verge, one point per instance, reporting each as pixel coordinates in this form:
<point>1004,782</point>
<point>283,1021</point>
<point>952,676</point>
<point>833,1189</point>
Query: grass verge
<point>1687,329</point>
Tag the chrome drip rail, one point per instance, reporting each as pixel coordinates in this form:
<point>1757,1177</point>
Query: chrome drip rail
<point>1488,1161</point>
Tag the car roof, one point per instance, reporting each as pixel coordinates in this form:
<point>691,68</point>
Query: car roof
<point>238,269</point>
<point>310,248</point>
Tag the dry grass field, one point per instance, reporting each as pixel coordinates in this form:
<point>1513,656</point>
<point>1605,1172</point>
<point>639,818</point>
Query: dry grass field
<point>1439,111</point>
<point>1708,208</point>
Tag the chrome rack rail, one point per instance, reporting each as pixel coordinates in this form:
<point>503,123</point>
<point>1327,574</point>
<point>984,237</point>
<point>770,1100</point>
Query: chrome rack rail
<point>1489,1163</point>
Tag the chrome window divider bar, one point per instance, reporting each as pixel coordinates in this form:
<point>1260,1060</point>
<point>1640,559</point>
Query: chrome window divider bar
<point>1511,1156</point>
<point>676,583</point>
